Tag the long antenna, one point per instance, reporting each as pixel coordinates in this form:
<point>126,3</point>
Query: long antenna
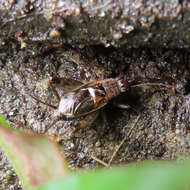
<point>37,99</point>
<point>151,84</point>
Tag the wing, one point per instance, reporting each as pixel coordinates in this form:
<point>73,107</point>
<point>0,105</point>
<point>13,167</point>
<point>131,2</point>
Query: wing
<point>67,84</point>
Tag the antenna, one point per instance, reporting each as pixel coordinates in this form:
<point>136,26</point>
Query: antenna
<point>37,99</point>
<point>151,84</point>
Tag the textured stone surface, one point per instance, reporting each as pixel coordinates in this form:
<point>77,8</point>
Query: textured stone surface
<point>162,132</point>
<point>127,23</point>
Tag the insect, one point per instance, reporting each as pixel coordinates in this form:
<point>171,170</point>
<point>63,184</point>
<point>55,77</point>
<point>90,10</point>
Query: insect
<point>84,100</point>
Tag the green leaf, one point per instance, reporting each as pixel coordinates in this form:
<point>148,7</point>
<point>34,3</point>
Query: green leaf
<point>141,176</point>
<point>3,122</point>
<point>40,167</point>
<point>35,159</point>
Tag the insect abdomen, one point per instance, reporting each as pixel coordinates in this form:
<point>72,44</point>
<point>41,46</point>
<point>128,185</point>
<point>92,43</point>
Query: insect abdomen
<point>114,87</point>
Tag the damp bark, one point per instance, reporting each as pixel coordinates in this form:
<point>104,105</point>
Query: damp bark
<point>147,42</point>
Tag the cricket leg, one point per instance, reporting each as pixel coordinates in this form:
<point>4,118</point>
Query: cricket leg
<point>103,123</point>
<point>51,81</point>
<point>124,106</point>
<point>58,118</point>
<point>86,121</point>
<point>104,119</point>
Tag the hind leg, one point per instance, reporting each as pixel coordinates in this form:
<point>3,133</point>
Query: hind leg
<point>86,121</point>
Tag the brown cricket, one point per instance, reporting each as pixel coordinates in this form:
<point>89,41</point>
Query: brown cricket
<point>85,100</point>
